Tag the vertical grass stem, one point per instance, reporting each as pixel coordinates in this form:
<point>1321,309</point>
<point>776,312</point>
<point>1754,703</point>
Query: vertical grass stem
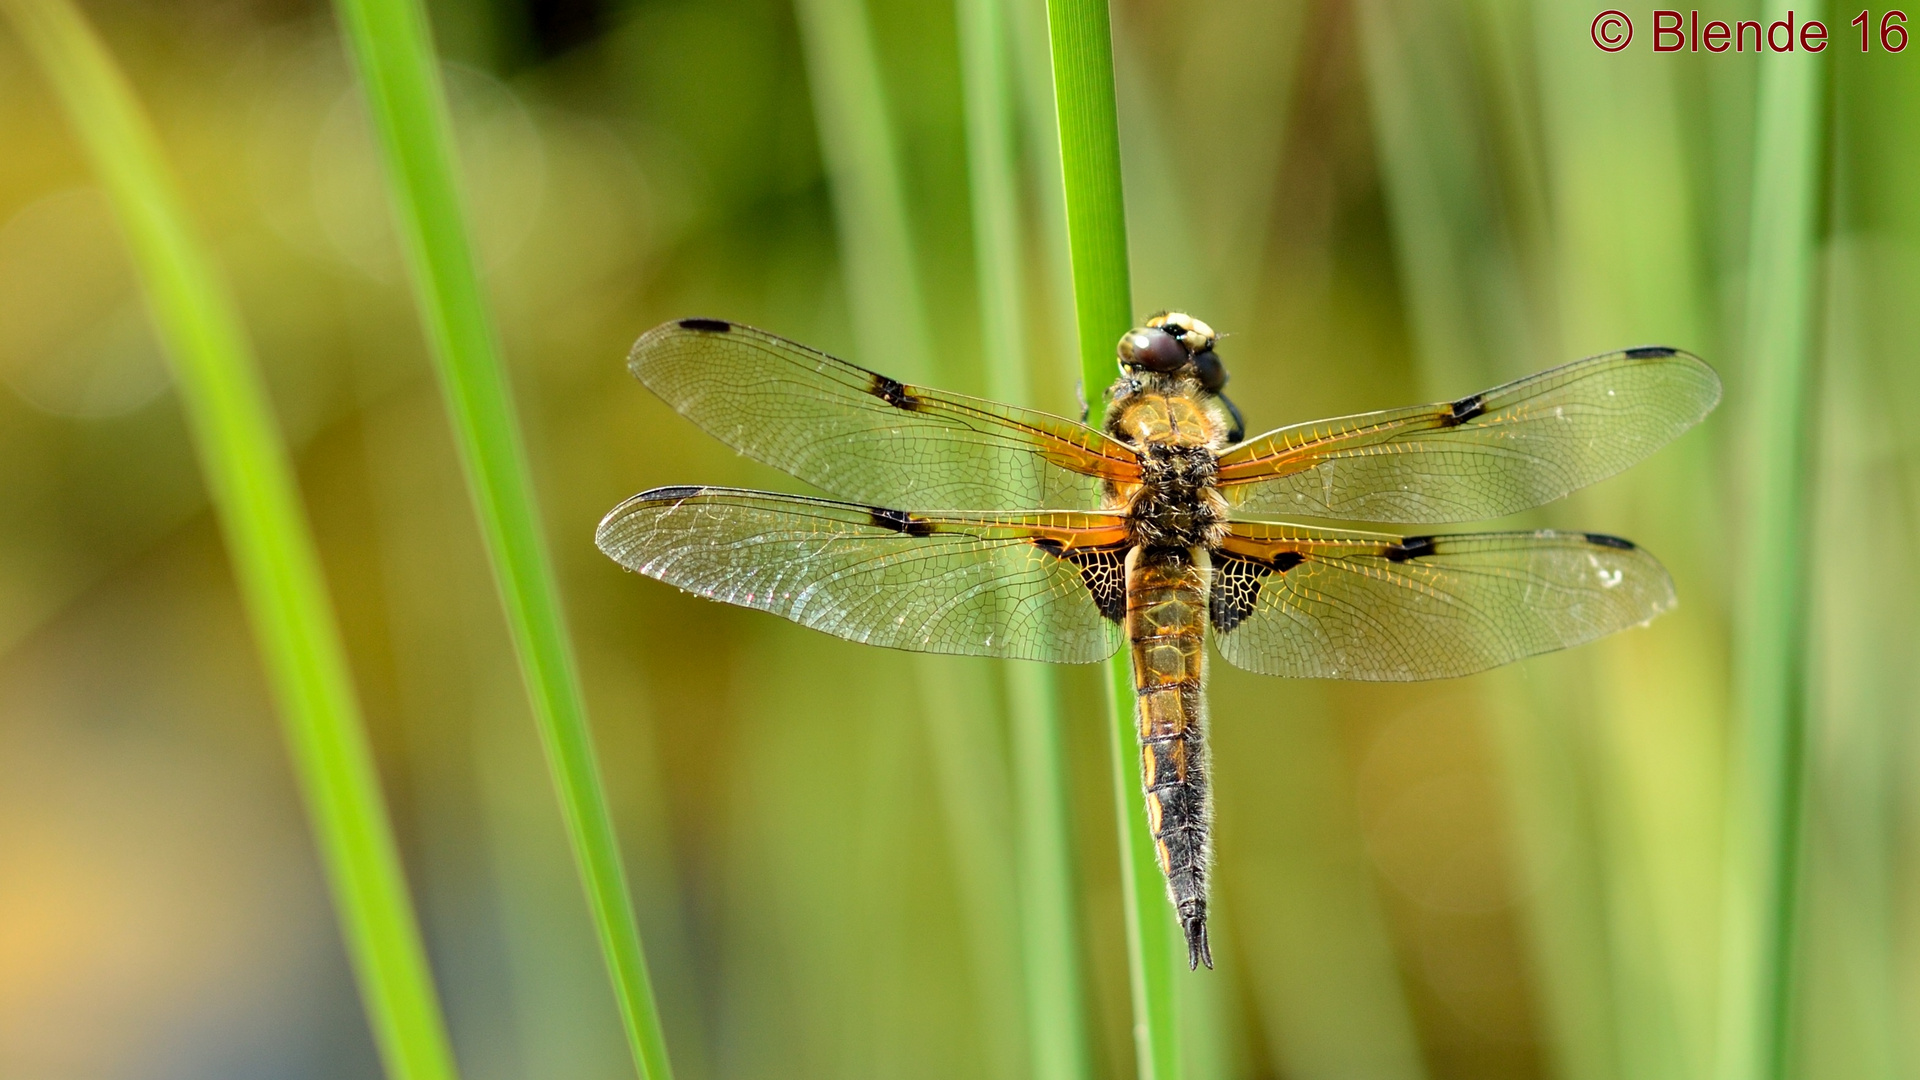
<point>1082,44</point>
<point>392,49</point>
<point>1049,929</point>
<point>883,281</point>
<point>251,480</point>
<point>1770,630</point>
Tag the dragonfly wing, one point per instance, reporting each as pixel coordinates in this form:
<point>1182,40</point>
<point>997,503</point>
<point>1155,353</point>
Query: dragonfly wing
<point>1042,586</point>
<point>1320,603</point>
<point>865,437</point>
<point>1484,456</point>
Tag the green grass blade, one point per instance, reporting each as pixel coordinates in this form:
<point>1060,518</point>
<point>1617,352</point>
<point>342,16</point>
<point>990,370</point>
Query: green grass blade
<point>869,201</point>
<point>1049,908</point>
<point>400,76</point>
<point>888,306</point>
<point>1050,932</point>
<point>1849,1018</point>
<point>1764,823</point>
<point>1040,138</point>
<point>1642,717</point>
<point>1855,988</point>
<point>1479,304</point>
<point>993,194</point>
<point>255,496</point>
<point>1151,946</point>
<point>1082,42</point>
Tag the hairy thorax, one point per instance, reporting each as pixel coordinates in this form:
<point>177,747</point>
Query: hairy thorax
<point>1178,429</point>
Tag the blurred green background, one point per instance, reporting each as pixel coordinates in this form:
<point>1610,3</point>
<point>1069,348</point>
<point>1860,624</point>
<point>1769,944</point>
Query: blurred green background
<point>1380,201</point>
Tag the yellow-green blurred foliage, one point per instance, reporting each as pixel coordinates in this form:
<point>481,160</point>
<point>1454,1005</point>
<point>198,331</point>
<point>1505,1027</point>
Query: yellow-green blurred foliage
<point>1381,201</point>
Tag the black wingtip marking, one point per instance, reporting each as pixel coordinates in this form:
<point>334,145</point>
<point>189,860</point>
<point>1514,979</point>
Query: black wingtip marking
<point>1465,409</point>
<point>671,494</point>
<point>710,326</point>
<point>893,392</point>
<point>899,521</point>
<point>1651,352</point>
<point>1411,547</point>
<point>1603,540</point>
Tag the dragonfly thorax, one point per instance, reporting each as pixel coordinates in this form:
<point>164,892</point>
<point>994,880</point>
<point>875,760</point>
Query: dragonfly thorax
<point>1176,504</point>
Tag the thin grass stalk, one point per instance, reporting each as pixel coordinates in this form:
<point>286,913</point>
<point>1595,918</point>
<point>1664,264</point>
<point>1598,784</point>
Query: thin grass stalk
<point>1049,927</point>
<point>1770,646</point>
<point>992,191</point>
<point>1082,44</point>
<point>1049,909</point>
<point>255,494</point>
<point>1851,1021</point>
<point>1456,220</point>
<point>1150,940</point>
<point>961,703</point>
<point>1857,1016</point>
<point>863,172</point>
<point>393,54</point>
<point>1461,223</point>
<point>1040,139</point>
<point>888,307</point>
<point>1644,713</point>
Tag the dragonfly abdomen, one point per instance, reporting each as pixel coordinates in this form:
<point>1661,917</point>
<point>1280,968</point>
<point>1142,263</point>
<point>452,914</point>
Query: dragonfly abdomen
<point>1166,631</point>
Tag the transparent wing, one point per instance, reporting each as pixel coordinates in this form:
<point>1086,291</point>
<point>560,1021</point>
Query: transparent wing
<point>863,436</point>
<point>1044,586</point>
<point>1483,456</point>
<point>1318,603</point>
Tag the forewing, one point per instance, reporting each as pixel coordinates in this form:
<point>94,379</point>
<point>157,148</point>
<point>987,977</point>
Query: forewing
<point>1484,456</point>
<point>1044,586</point>
<point>1317,603</point>
<point>863,436</point>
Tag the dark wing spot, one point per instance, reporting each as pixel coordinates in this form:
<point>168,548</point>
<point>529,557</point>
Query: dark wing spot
<point>1104,570</point>
<point>1235,590</point>
<point>671,494</point>
<point>1650,352</point>
<point>1411,547</point>
<point>1464,410</point>
<point>893,393</point>
<point>711,326</point>
<point>899,521</point>
<point>1603,540</point>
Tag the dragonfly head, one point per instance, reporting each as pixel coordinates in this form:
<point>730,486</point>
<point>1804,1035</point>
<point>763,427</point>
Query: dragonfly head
<point>1174,342</point>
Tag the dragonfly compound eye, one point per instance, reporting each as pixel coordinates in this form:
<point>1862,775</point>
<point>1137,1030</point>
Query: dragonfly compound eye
<point>1209,370</point>
<point>1152,349</point>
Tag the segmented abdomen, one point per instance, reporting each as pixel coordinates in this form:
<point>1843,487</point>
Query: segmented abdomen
<point>1166,630</point>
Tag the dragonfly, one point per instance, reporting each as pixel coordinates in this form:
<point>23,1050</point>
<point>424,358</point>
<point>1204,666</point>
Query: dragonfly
<point>966,526</point>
